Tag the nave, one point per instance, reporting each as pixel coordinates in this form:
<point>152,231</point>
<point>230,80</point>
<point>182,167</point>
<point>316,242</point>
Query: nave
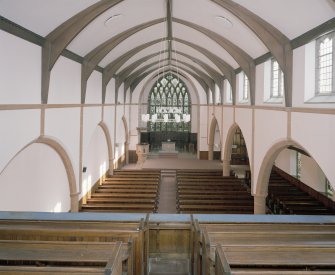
<point>190,186</point>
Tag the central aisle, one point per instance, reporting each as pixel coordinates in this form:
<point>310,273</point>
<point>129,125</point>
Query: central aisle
<point>167,192</point>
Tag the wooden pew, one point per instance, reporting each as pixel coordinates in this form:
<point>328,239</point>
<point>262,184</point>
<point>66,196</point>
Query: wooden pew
<point>80,231</point>
<point>209,236</point>
<point>288,195</point>
<point>266,260</point>
<point>208,192</point>
<point>65,257</point>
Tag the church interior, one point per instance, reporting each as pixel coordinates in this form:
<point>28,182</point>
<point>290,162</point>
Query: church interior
<point>167,137</point>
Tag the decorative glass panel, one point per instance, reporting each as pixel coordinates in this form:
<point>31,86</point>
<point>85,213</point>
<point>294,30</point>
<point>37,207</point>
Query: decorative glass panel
<point>169,91</point>
<point>164,99</point>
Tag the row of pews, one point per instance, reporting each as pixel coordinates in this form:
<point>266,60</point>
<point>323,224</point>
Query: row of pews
<point>122,244</point>
<point>285,197</point>
<point>126,191</point>
<point>63,247</point>
<point>264,248</point>
<point>209,192</point>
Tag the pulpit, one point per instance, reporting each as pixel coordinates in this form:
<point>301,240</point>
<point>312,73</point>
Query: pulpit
<point>142,151</point>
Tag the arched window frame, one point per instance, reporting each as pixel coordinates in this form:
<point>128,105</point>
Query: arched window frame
<point>325,69</point>
<point>171,86</point>
<point>277,80</point>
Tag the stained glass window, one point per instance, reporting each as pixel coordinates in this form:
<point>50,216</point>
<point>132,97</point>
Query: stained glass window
<point>172,93</point>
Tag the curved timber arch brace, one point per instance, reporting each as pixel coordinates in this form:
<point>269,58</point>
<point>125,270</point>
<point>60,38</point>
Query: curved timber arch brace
<point>210,71</point>
<point>74,194</point>
<point>205,81</point>
<point>209,81</point>
<point>93,58</point>
<point>277,43</point>
<point>109,145</point>
<point>224,67</point>
<point>142,76</point>
<point>58,39</point>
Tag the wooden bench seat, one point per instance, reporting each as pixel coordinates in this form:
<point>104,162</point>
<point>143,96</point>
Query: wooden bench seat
<point>130,232</point>
<point>277,237</point>
<point>293,255</point>
<point>216,202</point>
<point>128,186</point>
<point>120,206</point>
<point>107,256</point>
<point>219,211</point>
<point>214,192</point>
<point>245,196</point>
<point>126,191</point>
<point>133,182</point>
<point>207,179</point>
<point>121,200</point>
<point>128,195</point>
<point>215,207</point>
<point>262,258</point>
<point>212,187</point>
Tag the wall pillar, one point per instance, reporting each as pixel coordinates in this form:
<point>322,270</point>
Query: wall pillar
<point>210,151</point>
<point>126,149</point>
<point>260,204</point>
<point>226,168</point>
<point>74,202</point>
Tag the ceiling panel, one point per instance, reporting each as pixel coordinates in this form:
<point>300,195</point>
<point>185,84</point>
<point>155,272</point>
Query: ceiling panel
<point>159,47</point>
<point>205,13</point>
<point>292,17</point>
<point>41,16</point>
<point>120,18</point>
<point>191,35</point>
<point>139,38</point>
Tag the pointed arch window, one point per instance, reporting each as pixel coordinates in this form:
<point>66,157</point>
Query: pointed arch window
<point>173,93</point>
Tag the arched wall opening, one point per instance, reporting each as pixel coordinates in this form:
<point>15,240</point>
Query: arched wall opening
<point>292,161</point>
<point>236,153</point>
<point>214,141</point>
<point>40,177</point>
<point>95,162</point>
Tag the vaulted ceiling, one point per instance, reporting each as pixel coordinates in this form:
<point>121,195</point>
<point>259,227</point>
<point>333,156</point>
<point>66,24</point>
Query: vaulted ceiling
<point>130,39</point>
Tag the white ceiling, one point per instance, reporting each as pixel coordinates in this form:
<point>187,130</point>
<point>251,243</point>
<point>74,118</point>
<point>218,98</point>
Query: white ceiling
<point>291,17</point>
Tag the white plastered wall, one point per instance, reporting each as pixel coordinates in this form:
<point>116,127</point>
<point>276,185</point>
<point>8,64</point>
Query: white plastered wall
<point>95,159</point>
<point>65,79</point>
<point>266,135</point>
<point>18,128</point>
<point>286,161</point>
<point>316,134</point>
<point>35,180</point>
<point>23,60</point>
<point>94,88</point>
<point>63,124</point>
